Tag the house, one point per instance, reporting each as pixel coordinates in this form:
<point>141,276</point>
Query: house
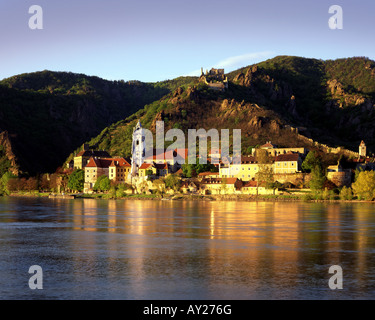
<point>189,186</point>
<point>287,163</point>
<point>220,186</point>
<point>116,169</point>
<point>246,170</point>
<point>119,170</point>
<point>153,170</point>
<point>254,188</point>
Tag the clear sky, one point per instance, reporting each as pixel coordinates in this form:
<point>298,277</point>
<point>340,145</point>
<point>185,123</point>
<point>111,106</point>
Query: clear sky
<point>155,40</point>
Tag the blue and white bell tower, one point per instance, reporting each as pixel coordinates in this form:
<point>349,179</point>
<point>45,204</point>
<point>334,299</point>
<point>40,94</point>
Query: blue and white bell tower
<point>138,148</point>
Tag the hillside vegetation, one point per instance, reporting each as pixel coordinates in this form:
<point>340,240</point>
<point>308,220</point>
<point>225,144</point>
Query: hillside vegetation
<point>318,97</point>
<point>47,115</point>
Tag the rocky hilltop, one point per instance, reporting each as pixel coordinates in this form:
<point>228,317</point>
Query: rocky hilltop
<point>284,99</point>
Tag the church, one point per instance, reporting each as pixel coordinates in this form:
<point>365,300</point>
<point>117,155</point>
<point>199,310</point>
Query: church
<point>159,162</point>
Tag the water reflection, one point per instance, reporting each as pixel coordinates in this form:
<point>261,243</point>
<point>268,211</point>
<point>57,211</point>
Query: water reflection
<point>192,250</point>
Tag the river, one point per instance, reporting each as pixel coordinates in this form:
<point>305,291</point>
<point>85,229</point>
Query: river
<point>147,249</point>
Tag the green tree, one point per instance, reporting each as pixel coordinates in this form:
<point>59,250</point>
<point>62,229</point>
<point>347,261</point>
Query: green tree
<point>4,182</point>
<point>76,180</point>
<point>192,170</point>
<point>265,174</point>
<point>364,186</point>
<point>172,181</point>
<point>311,161</point>
<point>5,163</point>
<point>102,183</point>
<point>208,167</point>
<point>262,156</point>
<point>160,186</point>
<point>346,193</point>
<point>189,170</point>
<point>224,186</point>
<point>318,178</point>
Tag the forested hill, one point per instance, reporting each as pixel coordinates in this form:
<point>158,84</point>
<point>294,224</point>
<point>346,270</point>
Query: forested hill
<point>48,114</point>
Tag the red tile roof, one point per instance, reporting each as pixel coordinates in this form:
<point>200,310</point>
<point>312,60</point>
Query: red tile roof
<point>203,174</point>
<point>145,166</point>
<point>160,166</point>
<point>107,162</point>
<point>268,145</point>
<point>250,159</point>
<point>287,157</point>
<point>253,184</point>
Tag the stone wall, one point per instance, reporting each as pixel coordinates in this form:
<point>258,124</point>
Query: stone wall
<point>340,179</point>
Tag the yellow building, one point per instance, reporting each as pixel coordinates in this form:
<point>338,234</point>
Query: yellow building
<point>153,169</point>
<point>245,171</point>
<point>220,186</point>
<point>253,188</point>
<point>287,163</point>
<point>119,170</point>
<point>116,169</point>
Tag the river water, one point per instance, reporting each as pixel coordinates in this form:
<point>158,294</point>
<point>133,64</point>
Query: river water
<point>129,249</point>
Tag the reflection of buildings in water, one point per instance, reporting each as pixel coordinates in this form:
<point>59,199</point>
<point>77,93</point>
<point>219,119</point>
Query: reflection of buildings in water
<point>85,214</point>
<point>112,215</point>
<point>78,217</point>
<point>90,212</point>
<point>363,239</point>
<point>260,238</point>
<point>333,243</point>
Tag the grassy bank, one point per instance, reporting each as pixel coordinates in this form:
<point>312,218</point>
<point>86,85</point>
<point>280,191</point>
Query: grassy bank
<point>305,197</point>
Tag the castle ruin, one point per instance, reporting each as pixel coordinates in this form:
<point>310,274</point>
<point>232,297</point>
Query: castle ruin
<point>215,79</point>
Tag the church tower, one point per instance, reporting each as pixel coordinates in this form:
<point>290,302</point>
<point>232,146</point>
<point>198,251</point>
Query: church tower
<point>362,149</point>
<point>138,148</point>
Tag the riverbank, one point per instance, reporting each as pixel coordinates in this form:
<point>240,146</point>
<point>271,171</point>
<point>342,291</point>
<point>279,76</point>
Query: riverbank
<point>190,197</point>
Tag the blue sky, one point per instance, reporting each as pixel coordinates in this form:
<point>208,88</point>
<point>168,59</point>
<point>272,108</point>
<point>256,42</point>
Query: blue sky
<point>155,40</point>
